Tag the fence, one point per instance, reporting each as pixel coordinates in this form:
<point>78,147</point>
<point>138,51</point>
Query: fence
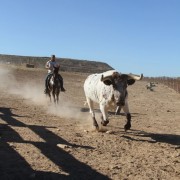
<point>173,83</point>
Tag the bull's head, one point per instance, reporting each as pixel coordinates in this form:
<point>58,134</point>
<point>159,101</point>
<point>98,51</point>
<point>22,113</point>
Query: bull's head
<point>119,82</point>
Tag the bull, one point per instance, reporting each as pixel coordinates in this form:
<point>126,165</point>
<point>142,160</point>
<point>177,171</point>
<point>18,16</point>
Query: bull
<point>109,89</point>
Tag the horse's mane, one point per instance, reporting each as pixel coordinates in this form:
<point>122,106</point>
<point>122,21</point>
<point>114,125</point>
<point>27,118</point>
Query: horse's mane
<point>56,70</point>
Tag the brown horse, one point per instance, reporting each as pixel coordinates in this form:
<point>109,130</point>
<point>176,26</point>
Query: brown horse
<point>54,85</point>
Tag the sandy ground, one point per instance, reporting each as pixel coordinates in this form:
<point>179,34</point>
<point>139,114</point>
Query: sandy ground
<point>39,140</point>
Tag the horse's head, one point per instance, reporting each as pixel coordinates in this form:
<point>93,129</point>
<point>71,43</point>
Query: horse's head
<point>56,70</point>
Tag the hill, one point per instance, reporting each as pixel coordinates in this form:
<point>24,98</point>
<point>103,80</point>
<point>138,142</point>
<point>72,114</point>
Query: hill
<point>71,65</point>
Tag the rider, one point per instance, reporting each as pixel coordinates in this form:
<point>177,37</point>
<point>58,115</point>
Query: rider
<point>49,65</point>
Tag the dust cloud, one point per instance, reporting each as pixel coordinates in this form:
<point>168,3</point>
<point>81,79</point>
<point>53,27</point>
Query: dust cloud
<point>32,93</point>
<point>7,80</point>
<point>28,90</point>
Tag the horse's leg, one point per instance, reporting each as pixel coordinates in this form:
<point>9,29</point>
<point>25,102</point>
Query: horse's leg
<point>57,95</point>
<point>57,98</point>
<point>49,94</point>
<point>54,97</point>
<point>49,86</point>
<point>53,92</point>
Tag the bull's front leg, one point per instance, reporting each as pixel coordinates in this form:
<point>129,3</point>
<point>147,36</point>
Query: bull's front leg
<point>104,116</point>
<point>91,110</point>
<point>95,124</point>
<point>127,126</point>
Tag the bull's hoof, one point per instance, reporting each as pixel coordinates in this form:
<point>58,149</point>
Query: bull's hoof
<point>95,124</point>
<point>104,123</point>
<point>96,127</point>
<point>127,127</point>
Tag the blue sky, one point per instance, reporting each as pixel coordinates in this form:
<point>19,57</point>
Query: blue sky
<point>138,36</point>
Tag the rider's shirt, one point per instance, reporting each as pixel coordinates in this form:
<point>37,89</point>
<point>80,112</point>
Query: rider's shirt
<point>50,64</point>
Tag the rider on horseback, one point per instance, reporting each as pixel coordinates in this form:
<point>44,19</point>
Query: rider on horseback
<point>50,66</point>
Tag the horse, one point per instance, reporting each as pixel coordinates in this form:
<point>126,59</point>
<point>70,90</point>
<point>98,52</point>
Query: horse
<point>54,85</point>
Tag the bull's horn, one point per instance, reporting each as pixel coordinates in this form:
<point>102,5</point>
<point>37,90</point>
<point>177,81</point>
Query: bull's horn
<point>135,77</point>
<point>107,75</point>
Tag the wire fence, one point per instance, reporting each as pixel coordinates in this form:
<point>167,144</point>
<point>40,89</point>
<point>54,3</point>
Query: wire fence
<point>173,83</point>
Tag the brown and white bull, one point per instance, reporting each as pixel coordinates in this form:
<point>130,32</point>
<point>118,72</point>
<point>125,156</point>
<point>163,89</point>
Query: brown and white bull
<point>109,89</point>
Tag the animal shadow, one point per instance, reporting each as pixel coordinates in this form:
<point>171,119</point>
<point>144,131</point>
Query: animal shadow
<point>14,165</point>
<point>172,139</point>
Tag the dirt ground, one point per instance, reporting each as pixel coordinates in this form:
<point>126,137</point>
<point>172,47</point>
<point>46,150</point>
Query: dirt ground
<point>39,140</point>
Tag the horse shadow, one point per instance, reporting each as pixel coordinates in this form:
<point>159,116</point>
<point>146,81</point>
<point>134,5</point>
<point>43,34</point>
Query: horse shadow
<point>14,166</point>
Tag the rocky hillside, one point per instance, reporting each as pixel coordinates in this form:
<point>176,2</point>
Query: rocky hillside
<point>72,65</point>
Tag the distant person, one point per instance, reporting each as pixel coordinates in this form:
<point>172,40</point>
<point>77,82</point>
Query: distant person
<point>50,66</point>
